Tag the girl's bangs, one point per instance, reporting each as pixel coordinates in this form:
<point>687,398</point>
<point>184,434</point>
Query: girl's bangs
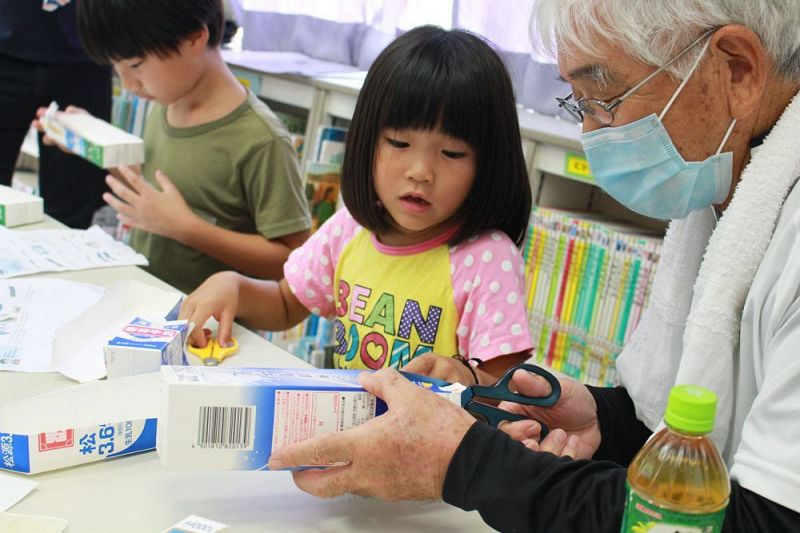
<point>434,102</point>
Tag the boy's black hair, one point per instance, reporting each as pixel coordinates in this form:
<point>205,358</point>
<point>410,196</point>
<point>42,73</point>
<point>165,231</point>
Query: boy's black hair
<point>112,30</point>
<point>432,78</point>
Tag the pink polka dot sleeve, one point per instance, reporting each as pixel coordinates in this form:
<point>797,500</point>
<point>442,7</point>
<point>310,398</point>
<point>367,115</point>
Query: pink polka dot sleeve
<point>488,276</point>
<point>310,269</point>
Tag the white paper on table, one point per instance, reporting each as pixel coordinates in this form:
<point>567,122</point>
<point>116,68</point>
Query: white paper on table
<point>31,311</point>
<point>23,523</point>
<point>58,250</point>
<point>12,490</point>
<point>78,345</point>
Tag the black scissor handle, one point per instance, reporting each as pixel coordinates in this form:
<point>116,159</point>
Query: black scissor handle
<point>494,415</point>
<point>502,391</point>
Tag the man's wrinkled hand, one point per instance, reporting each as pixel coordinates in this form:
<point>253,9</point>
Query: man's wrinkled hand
<point>575,430</point>
<point>401,455</point>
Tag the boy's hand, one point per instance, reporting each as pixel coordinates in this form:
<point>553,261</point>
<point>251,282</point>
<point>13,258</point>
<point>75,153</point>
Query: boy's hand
<point>140,205</point>
<point>441,367</point>
<point>37,124</point>
<point>218,296</point>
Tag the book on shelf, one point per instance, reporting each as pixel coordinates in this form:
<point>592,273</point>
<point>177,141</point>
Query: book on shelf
<point>322,191</point>
<point>128,111</point>
<point>298,141</point>
<point>296,126</point>
<point>588,281</point>
<point>323,173</point>
<point>330,145</point>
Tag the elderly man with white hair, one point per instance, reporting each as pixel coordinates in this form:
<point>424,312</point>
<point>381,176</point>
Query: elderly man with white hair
<point>690,112</point>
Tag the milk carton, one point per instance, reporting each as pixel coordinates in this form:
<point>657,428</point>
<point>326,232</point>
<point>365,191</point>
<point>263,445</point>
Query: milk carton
<point>82,424</point>
<point>144,345</point>
<point>228,418</point>
<point>96,140</point>
<point>18,208</point>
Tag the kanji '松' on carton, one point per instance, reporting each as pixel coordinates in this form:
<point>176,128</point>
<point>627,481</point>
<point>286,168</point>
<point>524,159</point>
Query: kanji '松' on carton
<point>82,424</point>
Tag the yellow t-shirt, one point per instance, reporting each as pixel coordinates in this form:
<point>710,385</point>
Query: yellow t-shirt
<point>390,304</point>
<point>392,310</point>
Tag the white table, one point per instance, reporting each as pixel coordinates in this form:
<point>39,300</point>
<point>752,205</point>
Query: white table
<point>135,494</point>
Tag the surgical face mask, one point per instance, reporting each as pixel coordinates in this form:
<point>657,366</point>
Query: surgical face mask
<point>639,166</point>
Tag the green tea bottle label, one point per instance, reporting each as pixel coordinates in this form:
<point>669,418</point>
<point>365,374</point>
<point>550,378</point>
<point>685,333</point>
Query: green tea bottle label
<point>643,517</point>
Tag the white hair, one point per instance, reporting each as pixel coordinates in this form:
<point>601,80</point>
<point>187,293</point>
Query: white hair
<point>653,31</point>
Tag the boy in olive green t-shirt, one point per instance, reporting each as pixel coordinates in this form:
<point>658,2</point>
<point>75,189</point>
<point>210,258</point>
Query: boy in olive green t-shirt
<point>221,187</point>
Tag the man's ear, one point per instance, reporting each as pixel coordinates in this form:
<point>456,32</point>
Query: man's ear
<point>744,67</point>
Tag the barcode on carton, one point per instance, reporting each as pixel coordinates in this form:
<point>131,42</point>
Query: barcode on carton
<point>225,428</point>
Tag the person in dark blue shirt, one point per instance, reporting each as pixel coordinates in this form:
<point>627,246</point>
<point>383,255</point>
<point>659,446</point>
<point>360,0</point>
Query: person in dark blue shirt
<point>41,60</point>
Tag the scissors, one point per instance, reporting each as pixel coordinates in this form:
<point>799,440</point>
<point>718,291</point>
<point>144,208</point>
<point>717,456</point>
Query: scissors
<point>501,391</point>
<point>214,353</point>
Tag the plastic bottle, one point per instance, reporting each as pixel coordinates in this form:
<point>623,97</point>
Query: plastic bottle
<point>678,483</point>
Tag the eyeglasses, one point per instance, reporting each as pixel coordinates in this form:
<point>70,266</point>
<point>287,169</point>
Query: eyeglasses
<point>603,112</point>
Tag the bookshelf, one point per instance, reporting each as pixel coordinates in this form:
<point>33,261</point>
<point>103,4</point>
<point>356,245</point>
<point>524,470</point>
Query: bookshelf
<point>588,280</point>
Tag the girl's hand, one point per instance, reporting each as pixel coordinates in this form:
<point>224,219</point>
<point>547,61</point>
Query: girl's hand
<point>140,205</point>
<point>441,367</point>
<point>218,296</point>
<point>575,430</point>
<point>37,124</point>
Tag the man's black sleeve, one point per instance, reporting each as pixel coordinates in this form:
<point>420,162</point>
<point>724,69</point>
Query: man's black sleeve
<point>515,489</point>
<point>622,433</point>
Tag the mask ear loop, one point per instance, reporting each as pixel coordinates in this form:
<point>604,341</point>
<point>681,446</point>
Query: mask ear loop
<point>685,80</point>
<point>725,138</point>
<point>714,208</point>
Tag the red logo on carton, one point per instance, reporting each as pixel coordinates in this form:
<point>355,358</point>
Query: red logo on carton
<point>56,440</point>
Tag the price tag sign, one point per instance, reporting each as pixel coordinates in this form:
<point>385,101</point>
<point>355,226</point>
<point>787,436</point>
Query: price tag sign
<point>577,166</point>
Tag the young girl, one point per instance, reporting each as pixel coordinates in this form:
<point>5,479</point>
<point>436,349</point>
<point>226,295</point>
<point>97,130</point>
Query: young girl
<point>424,259</point>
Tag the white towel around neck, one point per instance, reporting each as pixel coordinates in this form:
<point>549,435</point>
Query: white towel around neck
<point>690,331</point>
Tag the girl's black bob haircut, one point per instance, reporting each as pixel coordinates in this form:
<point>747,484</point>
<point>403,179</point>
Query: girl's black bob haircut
<point>113,30</point>
<point>430,78</point>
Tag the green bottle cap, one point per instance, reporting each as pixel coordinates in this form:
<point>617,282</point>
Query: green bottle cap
<point>691,409</point>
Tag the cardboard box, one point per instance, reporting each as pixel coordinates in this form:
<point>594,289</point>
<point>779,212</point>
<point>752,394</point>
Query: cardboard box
<point>228,418</point>
<point>79,424</point>
<point>96,140</point>
<point>144,345</point>
<point>18,208</point>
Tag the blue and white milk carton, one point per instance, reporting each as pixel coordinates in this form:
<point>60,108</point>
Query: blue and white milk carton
<point>77,425</point>
<point>144,345</point>
<point>228,418</point>
<point>93,139</point>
